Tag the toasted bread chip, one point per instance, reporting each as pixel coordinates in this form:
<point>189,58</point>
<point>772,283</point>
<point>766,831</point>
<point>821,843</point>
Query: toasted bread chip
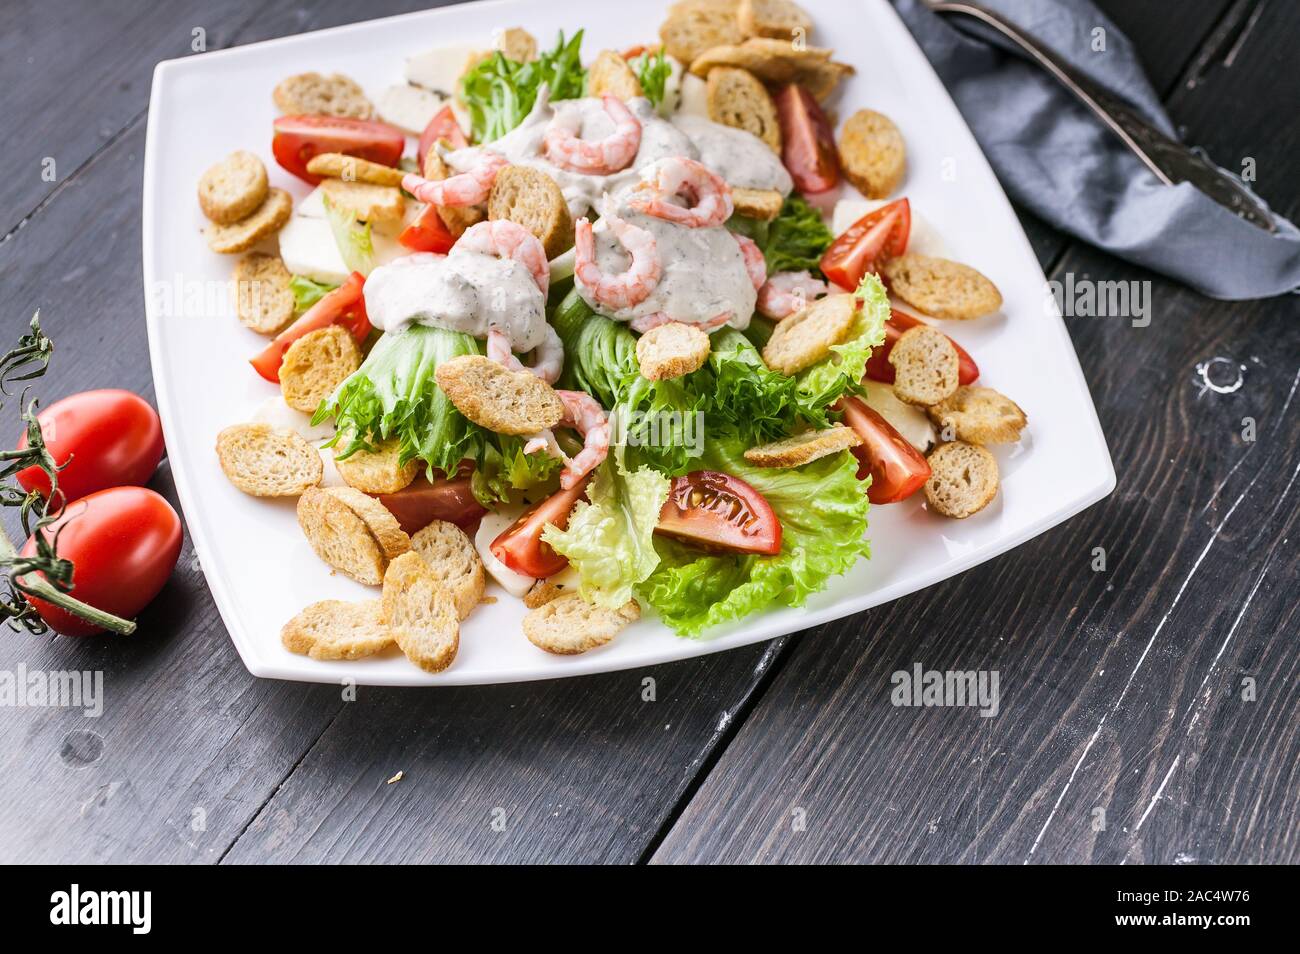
<point>764,204</point>
<point>780,19</point>
<point>806,337</point>
<point>533,199</point>
<point>340,537</point>
<point>541,593</point>
<point>267,461</point>
<point>963,479</point>
<point>263,296</point>
<point>693,27</point>
<point>454,561</point>
<point>353,169</point>
<point>609,73</point>
<point>376,471</point>
<point>941,288</point>
<point>312,93</point>
<point>492,396</point>
<point>671,350</point>
<point>872,153</point>
<point>803,448</point>
<point>380,523</point>
<point>737,98</point>
<point>315,365</point>
<point>568,624</point>
<point>925,366</point>
<point>420,613</point>
<point>979,415</point>
<point>233,188</point>
<point>457,218</point>
<point>333,629</point>
<point>241,236</point>
<point>380,205</point>
<point>517,44</point>
<point>777,61</point>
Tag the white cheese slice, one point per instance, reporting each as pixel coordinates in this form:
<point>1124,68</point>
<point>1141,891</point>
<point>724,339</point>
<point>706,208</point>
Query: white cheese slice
<point>308,248</point>
<point>923,240</point>
<point>911,422</point>
<point>516,584</point>
<point>439,69</point>
<point>694,96</point>
<point>275,412</point>
<point>409,107</point>
<point>312,207</point>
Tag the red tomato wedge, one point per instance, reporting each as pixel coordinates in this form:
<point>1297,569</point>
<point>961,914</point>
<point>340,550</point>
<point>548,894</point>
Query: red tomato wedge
<point>521,547</point>
<point>879,368</point>
<point>123,543</point>
<point>443,125</point>
<point>425,501</point>
<point>99,439</point>
<point>428,233</point>
<point>297,139</point>
<point>897,469</point>
<point>344,306</point>
<point>718,512</point>
<point>808,146</point>
<point>881,233</point>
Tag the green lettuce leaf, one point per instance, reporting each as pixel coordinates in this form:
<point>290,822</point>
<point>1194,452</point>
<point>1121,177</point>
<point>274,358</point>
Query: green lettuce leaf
<point>652,71</point>
<point>503,468</point>
<point>792,242</point>
<point>352,238</point>
<point>822,507</point>
<point>307,292</point>
<point>499,92</point>
<point>610,540</point>
<point>841,372</point>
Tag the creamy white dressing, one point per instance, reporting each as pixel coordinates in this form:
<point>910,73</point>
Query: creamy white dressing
<point>464,291</point>
<point>740,157</point>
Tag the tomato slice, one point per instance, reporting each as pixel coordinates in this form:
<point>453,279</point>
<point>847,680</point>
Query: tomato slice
<point>896,468</point>
<point>881,233</point>
<point>808,145</point>
<point>428,233</point>
<point>520,546</point>
<point>425,501</point>
<point>344,306</point>
<point>443,125</point>
<point>718,512</point>
<point>879,368</point>
<point>299,138</point>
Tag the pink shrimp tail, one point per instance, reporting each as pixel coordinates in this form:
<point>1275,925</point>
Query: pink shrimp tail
<point>588,418</point>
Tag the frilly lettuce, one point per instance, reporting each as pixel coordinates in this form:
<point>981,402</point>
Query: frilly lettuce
<point>841,372</point>
<point>792,242</point>
<point>352,238</point>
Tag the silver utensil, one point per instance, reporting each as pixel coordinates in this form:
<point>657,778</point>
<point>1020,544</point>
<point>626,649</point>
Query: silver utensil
<point>1170,161</point>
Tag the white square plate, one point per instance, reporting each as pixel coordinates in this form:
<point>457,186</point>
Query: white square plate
<point>257,562</point>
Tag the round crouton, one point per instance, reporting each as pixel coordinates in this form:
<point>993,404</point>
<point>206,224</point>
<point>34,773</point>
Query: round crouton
<point>312,93</point>
<point>376,471</point>
<point>533,199</point>
<point>420,613</point>
<point>777,61</point>
<point>233,188</point>
<point>963,479</point>
<point>779,19</point>
<point>872,153</point>
<point>698,25</point>
<point>609,73</point>
<point>805,338</point>
<point>764,204</point>
<point>333,629</point>
<point>263,296</point>
<point>454,561</point>
<point>266,220</point>
<point>671,350</point>
<point>568,624</point>
<point>979,415</point>
<point>941,288</point>
<point>925,366</point>
<point>492,396</point>
<point>266,461</point>
<point>344,537</point>
<point>380,523</point>
<point>353,169</point>
<point>517,44</point>
<point>381,205</point>
<point>315,365</point>
<point>737,98</point>
<point>803,448</point>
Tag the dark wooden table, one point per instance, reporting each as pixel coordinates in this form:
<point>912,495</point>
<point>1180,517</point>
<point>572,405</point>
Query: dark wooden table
<point>1149,711</point>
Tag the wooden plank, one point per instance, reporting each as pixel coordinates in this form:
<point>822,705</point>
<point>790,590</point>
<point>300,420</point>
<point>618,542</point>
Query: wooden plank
<point>1121,690</point>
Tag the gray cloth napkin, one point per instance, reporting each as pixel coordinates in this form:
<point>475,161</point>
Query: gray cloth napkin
<point>1056,159</point>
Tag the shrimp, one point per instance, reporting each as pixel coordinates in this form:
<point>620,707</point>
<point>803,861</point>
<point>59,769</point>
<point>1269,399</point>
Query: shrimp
<point>505,239</point>
<point>588,418</point>
<point>643,323</point>
<point>464,188</point>
<point>708,197</point>
<point>629,288</point>
<point>755,263</point>
<point>549,359</point>
<point>788,292</point>
<point>597,157</point>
